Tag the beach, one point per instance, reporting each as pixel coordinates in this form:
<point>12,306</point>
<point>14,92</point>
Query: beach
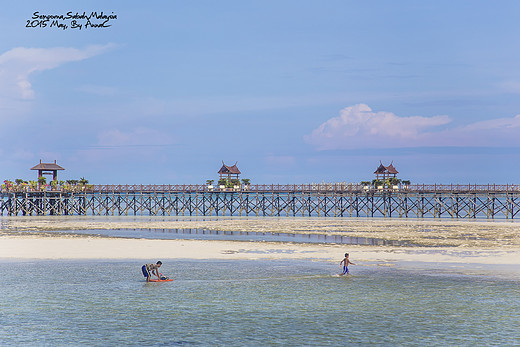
<point>484,262</point>
<point>460,244</point>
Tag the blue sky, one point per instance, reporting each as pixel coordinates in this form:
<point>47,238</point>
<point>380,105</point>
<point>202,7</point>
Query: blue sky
<point>294,91</point>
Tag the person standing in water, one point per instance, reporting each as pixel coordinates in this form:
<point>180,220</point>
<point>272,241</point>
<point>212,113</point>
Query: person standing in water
<point>345,263</point>
<point>151,269</point>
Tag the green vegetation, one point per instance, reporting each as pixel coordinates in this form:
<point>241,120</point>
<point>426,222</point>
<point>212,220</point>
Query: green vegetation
<point>19,185</point>
<point>386,183</point>
<point>222,182</point>
<point>42,181</point>
<point>226,183</point>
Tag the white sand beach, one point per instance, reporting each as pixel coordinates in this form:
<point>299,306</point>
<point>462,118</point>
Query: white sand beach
<point>466,244</point>
<point>66,247</point>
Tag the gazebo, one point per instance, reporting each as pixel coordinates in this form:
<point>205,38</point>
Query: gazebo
<point>386,171</point>
<point>231,172</point>
<point>48,169</point>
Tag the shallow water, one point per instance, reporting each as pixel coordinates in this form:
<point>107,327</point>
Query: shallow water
<point>372,231</point>
<point>206,234</point>
<point>251,303</point>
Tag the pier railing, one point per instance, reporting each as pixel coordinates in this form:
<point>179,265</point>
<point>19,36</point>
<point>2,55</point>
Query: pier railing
<point>321,187</point>
<point>277,188</point>
<point>330,200</point>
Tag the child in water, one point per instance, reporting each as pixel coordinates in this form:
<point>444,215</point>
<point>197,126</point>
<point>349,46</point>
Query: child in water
<point>345,263</point>
<point>151,269</point>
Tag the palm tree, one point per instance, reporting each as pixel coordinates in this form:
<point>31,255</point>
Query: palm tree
<point>33,185</point>
<point>377,183</point>
<point>394,181</point>
<point>42,180</point>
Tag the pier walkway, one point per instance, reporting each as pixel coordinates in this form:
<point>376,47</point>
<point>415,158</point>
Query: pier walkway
<point>307,200</point>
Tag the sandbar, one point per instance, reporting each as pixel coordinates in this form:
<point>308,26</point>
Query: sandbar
<point>489,245</point>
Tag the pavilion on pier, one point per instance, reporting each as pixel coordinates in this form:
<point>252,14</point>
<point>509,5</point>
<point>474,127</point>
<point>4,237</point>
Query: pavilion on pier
<point>229,172</point>
<point>385,172</point>
<point>48,169</point>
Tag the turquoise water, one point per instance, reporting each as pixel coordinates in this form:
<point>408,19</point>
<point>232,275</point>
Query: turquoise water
<point>251,303</point>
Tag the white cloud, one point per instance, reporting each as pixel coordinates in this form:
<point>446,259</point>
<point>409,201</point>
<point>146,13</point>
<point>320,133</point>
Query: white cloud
<point>18,64</point>
<point>499,123</point>
<point>492,133</point>
<point>510,86</point>
<point>360,127</point>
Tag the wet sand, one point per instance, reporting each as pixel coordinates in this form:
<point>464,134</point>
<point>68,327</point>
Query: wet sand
<point>441,244</point>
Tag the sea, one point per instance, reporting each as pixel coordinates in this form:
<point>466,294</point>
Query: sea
<point>253,303</point>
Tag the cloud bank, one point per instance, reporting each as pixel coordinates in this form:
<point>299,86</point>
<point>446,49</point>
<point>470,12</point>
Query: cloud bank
<point>18,64</point>
<point>359,126</point>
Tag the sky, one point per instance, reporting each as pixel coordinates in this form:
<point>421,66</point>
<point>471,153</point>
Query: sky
<point>292,91</point>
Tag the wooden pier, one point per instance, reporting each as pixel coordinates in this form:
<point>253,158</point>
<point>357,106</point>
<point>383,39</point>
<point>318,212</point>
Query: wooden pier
<point>308,200</point>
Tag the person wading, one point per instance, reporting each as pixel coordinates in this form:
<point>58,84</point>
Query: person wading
<point>151,269</point>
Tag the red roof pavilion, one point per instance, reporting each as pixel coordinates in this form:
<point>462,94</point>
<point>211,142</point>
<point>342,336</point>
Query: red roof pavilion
<point>229,171</point>
<point>386,171</point>
<point>48,169</point>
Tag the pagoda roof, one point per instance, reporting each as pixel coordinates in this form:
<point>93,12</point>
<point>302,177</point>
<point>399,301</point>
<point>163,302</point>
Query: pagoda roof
<point>47,166</point>
<point>391,169</point>
<point>381,169</point>
<point>229,169</point>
